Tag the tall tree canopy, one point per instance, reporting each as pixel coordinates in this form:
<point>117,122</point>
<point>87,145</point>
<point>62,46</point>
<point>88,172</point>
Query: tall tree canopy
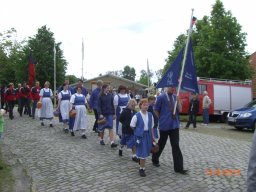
<point>41,46</point>
<point>129,73</point>
<point>219,46</point>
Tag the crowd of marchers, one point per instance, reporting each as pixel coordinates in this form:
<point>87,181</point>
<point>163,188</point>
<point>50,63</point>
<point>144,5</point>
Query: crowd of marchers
<point>144,130</point>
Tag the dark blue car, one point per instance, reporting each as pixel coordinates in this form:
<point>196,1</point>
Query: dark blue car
<point>244,117</point>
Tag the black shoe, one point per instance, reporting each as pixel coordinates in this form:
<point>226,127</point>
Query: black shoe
<point>120,152</point>
<point>72,133</point>
<point>51,125</point>
<point>183,172</point>
<point>135,159</point>
<point>1,167</point>
<point>84,137</point>
<point>42,123</point>
<point>113,145</point>
<point>102,142</point>
<point>156,164</point>
<point>65,130</point>
<point>142,173</point>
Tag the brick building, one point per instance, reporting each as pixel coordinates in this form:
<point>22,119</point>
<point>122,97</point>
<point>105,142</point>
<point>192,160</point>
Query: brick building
<point>252,62</point>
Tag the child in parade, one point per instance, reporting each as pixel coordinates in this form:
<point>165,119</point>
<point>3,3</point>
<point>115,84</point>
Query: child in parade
<point>78,101</point>
<point>143,123</point>
<point>64,106</point>
<point>151,102</point>
<point>46,112</point>
<point>106,110</point>
<point>128,137</point>
<point>120,102</point>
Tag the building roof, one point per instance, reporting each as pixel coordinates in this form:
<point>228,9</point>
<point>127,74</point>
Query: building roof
<point>127,81</point>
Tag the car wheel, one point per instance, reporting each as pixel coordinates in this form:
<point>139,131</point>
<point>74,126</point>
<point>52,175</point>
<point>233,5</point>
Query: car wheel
<point>254,126</point>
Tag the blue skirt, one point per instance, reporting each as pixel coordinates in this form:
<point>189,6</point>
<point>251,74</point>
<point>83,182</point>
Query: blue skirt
<point>128,140</point>
<point>144,147</point>
<point>107,125</point>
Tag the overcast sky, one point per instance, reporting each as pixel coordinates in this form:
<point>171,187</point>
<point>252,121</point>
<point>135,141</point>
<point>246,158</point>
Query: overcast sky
<point>116,33</point>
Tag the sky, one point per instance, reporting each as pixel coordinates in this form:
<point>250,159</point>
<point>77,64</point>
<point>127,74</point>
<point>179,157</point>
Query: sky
<point>116,33</point>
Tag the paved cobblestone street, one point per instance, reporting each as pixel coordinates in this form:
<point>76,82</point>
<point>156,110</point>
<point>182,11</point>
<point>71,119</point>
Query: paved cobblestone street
<point>55,161</point>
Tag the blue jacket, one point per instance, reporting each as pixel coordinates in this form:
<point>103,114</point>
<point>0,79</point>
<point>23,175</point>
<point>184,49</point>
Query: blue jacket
<point>166,119</point>
<point>106,105</point>
<point>94,98</point>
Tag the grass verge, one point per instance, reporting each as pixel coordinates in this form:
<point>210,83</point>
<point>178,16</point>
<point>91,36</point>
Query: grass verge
<point>6,178</point>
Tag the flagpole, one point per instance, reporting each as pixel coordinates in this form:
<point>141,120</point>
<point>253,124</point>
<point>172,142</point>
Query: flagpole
<point>82,58</point>
<point>54,61</point>
<point>184,61</point>
<point>148,72</point>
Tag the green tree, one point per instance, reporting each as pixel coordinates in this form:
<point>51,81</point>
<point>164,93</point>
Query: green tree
<point>10,56</point>
<point>219,46</point>
<point>72,79</point>
<point>144,77</point>
<point>41,46</point>
<point>129,73</point>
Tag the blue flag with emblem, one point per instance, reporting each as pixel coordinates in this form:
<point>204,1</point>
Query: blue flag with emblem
<point>189,78</point>
<point>171,77</point>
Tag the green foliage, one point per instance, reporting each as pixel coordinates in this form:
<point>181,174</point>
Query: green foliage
<point>219,46</point>
<point>72,79</point>
<point>42,45</point>
<point>129,73</point>
<point>144,77</point>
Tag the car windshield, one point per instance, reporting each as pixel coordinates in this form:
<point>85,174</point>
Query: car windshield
<point>251,104</point>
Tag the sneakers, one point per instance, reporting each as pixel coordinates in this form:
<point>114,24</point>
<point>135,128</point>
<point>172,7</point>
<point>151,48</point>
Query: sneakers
<point>135,159</point>
<point>72,133</point>
<point>113,145</point>
<point>102,142</point>
<point>42,123</point>
<point>84,137</point>
<point>142,173</point>
<point>183,172</point>
<point>120,152</point>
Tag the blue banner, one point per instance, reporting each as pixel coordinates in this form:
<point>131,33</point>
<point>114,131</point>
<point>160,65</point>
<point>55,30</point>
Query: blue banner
<point>189,79</point>
<point>171,77</point>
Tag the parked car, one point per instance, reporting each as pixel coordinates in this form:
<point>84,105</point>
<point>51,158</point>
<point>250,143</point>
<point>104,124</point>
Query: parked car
<point>244,117</point>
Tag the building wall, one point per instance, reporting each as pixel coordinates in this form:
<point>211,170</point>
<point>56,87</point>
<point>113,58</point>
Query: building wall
<point>252,62</point>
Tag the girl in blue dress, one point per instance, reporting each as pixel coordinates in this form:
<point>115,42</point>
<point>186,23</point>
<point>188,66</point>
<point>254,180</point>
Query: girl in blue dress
<point>120,102</point>
<point>64,106</point>
<point>143,123</point>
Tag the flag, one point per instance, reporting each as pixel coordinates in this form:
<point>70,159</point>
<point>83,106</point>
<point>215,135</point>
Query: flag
<point>31,70</point>
<point>189,79</point>
<point>171,77</point>
<point>193,20</point>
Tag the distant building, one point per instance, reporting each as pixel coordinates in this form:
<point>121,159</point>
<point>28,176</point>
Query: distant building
<point>114,82</point>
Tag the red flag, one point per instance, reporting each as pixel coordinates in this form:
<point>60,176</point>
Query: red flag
<point>193,21</point>
<point>31,71</point>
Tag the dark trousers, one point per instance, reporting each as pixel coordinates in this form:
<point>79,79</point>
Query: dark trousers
<point>34,103</point>
<point>10,108</point>
<point>176,152</point>
<point>191,119</point>
<point>25,102</point>
<point>95,126</point>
